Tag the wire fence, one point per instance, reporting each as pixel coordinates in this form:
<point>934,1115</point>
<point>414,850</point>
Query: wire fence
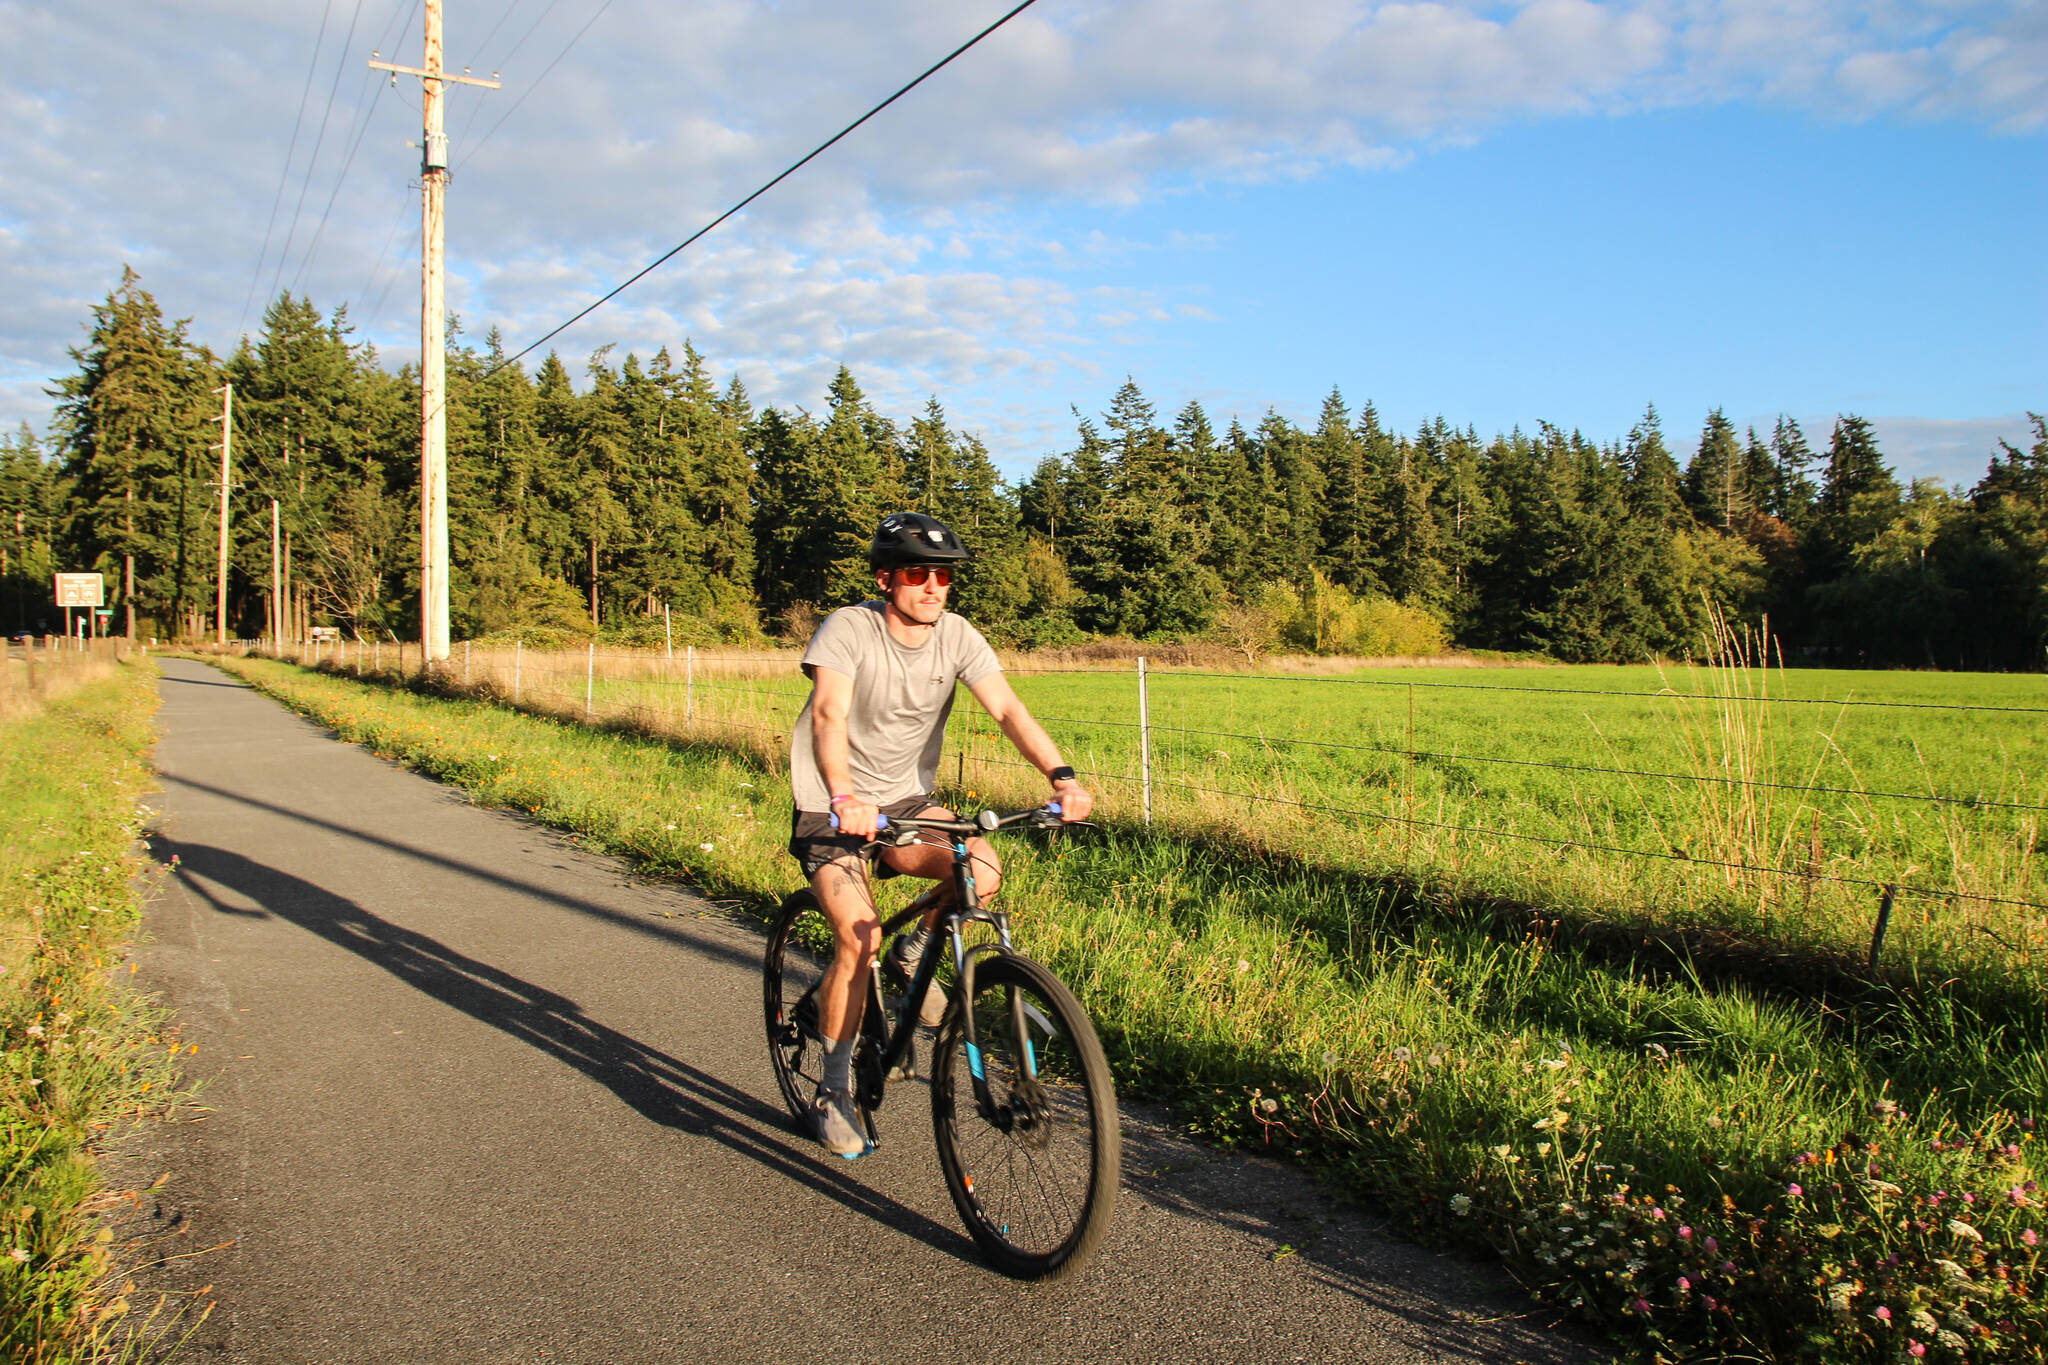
<point>1733,829</point>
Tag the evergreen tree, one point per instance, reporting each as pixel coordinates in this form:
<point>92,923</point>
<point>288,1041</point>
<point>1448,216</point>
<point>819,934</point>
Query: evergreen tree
<point>1344,540</point>
<point>1715,489</point>
<point>1292,494</point>
<point>1227,492</point>
<point>124,423</point>
<point>28,526</point>
<point>1139,562</point>
<point>1858,498</point>
<point>1792,489</point>
<point>721,490</point>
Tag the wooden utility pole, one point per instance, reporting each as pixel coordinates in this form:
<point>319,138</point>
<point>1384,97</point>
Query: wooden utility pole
<point>433,342</point>
<point>276,602</point>
<point>227,439</point>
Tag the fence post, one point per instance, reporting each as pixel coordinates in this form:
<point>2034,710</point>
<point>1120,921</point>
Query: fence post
<point>589,678</point>
<point>377,656</point>
<point>1884,918</point>
<point>689,682</point>
<point>1144,741</point>
<point>668,635</point>
<point>465,663</point>
<point>517,646</point>
<point>1408,825</point>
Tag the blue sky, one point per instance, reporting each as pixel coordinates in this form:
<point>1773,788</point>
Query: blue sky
<point>1501,213</point>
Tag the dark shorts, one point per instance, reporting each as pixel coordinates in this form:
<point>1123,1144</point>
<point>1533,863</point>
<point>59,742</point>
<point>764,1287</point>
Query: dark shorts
<point>814,843</point>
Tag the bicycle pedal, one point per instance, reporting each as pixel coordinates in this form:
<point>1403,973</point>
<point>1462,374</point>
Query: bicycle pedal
<point>903,1071</point>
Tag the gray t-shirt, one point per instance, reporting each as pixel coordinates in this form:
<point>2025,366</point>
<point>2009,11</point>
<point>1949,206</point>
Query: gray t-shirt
<point>896,724</point>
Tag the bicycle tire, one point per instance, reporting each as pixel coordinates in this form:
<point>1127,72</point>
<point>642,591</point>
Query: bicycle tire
<point>1036,1181</point>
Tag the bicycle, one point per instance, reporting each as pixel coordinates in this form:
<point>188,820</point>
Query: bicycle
<point>1023,1108</point>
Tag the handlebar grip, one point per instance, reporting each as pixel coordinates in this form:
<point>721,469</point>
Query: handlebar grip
<point>1053,806</point>
<point>881,821</point>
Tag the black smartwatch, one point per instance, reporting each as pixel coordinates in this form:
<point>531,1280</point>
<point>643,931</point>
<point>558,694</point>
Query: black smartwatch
<point>1063,773</point>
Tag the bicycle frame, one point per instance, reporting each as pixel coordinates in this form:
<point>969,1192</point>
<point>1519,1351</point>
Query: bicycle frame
<point>967,908</point>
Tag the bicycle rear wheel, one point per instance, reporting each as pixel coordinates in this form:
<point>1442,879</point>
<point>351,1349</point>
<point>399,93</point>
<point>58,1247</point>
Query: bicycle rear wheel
<point>799,950</point>
<point>1035,1177</point>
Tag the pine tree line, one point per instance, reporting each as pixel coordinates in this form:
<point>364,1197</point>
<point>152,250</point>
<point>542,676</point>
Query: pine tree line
<point>659,493</point>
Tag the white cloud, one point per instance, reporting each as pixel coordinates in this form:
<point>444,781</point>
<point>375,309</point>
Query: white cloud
<point>135,133</point>
<point>1953,451</point>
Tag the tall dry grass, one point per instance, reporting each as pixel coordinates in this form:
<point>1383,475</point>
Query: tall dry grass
<point>35,674</point>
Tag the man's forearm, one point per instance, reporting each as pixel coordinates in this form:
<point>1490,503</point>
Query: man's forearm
<point>1031,740</point>
<point>829,747</point>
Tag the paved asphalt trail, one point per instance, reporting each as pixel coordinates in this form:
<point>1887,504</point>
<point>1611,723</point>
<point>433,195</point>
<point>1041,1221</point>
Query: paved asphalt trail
<point>472,1094</point>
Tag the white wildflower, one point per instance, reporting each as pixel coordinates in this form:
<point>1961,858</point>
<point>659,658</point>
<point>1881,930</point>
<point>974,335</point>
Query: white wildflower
<point>1558,1118</point>
<point>1543,1149</point>
<point>18,1254</point>
<point>1403,1055</point>
<point>1958,1228</point>
<point>1461,1204</point>
<point>705,848</point>
<point>1839,1294</point>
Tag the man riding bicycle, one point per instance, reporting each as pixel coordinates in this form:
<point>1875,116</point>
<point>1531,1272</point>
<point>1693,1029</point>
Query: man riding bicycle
<point>867,745</point>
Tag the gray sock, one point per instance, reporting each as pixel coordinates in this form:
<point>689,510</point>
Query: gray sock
<point>838,1064</point>
<point>909,949</point>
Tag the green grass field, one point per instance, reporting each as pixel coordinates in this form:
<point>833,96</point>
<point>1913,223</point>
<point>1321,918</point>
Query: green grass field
<point>1713,1147</point>
<point>84,1055</point>
<point>1771,805</point>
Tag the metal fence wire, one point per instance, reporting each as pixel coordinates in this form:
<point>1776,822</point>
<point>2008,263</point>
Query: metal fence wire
<point>759,695</point>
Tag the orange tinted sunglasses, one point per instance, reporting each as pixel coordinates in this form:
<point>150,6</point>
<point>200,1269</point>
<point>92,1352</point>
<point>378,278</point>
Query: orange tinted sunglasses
<point>915,574</point>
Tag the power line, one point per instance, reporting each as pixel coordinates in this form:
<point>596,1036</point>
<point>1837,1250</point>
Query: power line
<point>318,142</point>
<point>284,175</point>
<point>361,122</point>
<point>462,135</point>
<point>362,126</point>
<point>661,260</point>
<point>536,81</point>
<point>510,10</point>
<point>378,311</point>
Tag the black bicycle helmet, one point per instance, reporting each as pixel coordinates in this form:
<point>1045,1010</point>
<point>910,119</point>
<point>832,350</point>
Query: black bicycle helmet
<point>914,538</point>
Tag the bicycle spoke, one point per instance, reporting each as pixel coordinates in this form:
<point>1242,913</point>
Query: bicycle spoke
<point>1035,1178</point>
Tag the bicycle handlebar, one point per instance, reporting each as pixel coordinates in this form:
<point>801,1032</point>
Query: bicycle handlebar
<point>987,822</point>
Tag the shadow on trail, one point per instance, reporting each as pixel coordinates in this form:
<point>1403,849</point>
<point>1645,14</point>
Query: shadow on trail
<point>654,1084</point>
<point>705,944</point>
<point>203,682</point>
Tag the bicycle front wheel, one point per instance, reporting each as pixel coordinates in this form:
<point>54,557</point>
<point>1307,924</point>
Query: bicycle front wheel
<point>1034,1171</point>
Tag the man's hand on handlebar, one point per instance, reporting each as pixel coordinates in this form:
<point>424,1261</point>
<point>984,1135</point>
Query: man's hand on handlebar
<point>1074,799</point>
<point>856,817</point>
